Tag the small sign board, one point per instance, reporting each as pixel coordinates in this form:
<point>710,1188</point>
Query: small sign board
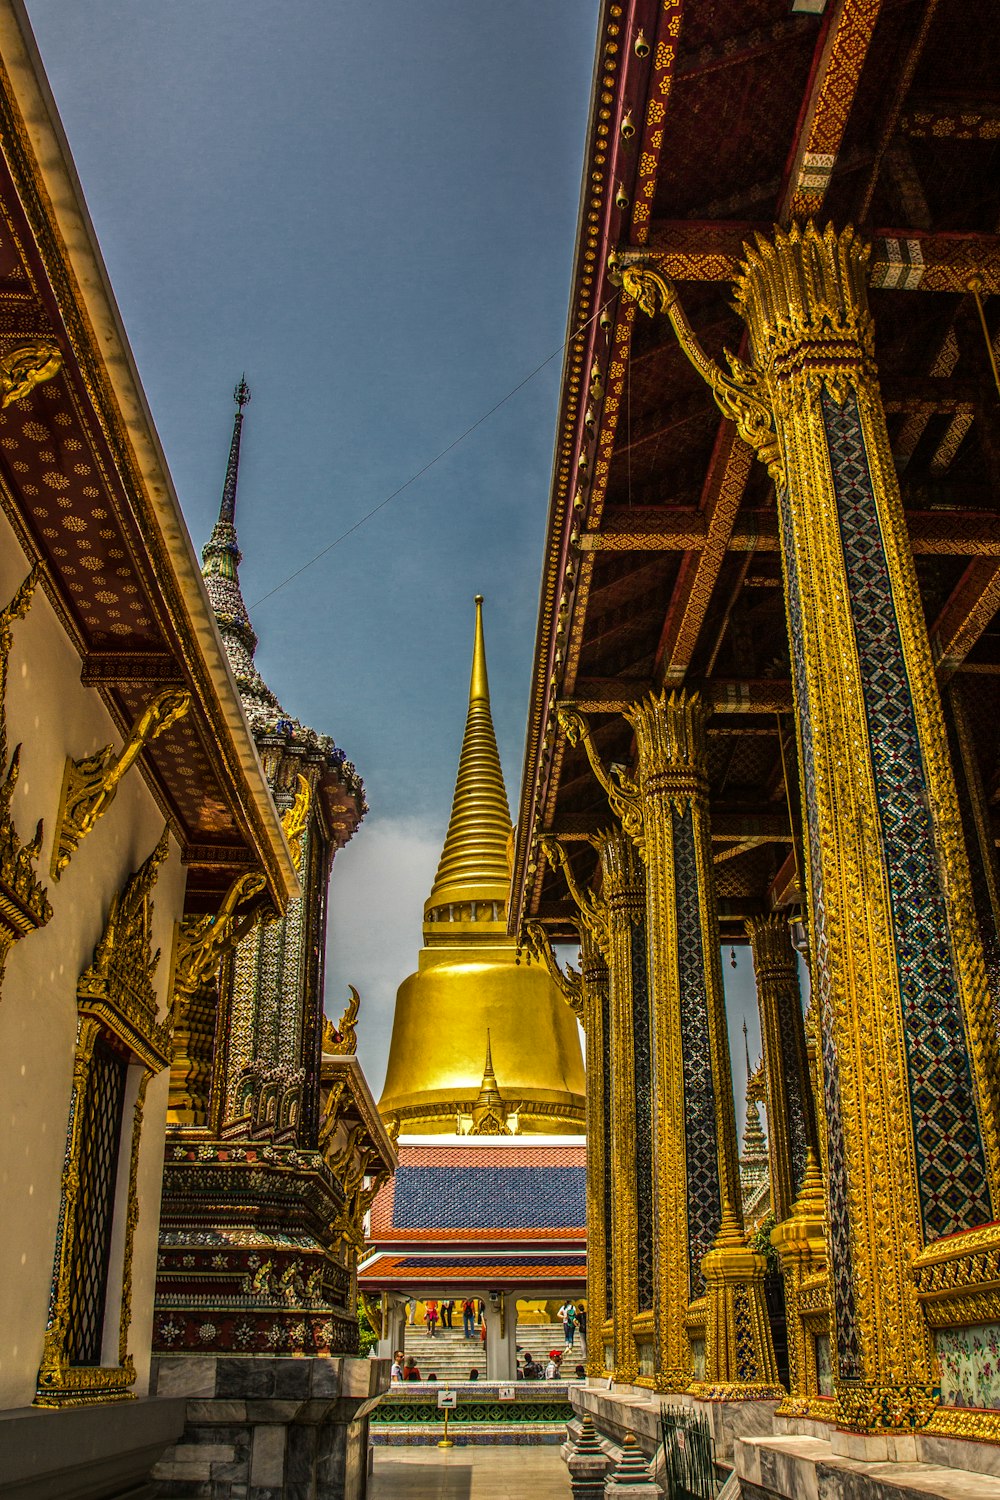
<point>448,1398</point>
<point>506,1393</point>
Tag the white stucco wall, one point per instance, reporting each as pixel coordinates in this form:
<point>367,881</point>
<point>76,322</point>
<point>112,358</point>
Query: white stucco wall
<point>53,715</point>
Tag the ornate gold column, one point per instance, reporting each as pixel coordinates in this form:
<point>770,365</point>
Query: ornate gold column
<point>708,1285</point>
<point>600,1189</point>
<point>617,923</point>
<point>587,995</point>
<point>797,1192</point>
<point>911,1069</point>
<point>791,1117</point>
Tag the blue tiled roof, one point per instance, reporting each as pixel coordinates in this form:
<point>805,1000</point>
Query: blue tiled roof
<point>494,1197</point>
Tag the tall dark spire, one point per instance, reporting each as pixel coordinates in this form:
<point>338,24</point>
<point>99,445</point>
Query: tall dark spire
<point>227,510</point>
<point>221,558</point>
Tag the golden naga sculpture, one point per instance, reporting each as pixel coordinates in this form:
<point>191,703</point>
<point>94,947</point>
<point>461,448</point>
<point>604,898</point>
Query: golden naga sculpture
<point>568,981</point>
<point>24,903</point>
<point>740,395</point>
<point>621,789</point>
<point>90,784</point>
<point>203,942</point>
<point>342,1040</point>
<point>27,366</point>
<point>294,820</point>
<point>593,913</point>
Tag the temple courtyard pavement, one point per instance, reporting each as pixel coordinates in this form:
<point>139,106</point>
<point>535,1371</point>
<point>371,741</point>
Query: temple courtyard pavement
<point>481,1473</point>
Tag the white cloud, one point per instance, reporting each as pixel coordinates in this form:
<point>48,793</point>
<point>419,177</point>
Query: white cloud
<point>377,893</point>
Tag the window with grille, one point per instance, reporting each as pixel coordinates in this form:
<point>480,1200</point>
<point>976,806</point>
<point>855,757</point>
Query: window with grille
<point>100,1136</point>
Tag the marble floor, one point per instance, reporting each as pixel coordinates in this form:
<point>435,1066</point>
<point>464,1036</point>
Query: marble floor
<point>501,1473</point>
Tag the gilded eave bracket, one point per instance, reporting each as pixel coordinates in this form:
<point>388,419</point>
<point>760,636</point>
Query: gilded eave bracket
<point>621,789</point>
<point>568,982</point>
<point>90,784</point>
<point>740,395</point>
<point>593,913</point>
<point>203,942</point>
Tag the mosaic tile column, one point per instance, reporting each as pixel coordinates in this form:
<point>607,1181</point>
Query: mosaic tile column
<point>791,1118</point>
<point>797,1190</point>
<point>630,1133</point>
<point>600,1194</point>
<point>700,1250</point>
<point>910,1052</point>
<point>616,923</point>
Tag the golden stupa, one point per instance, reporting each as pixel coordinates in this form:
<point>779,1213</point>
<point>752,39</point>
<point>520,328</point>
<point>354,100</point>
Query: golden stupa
<point>470,998</point>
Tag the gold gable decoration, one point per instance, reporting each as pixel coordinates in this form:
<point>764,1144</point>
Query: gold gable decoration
<point>342,1040</point>
<point>24,903</point>
<point>117,988</point>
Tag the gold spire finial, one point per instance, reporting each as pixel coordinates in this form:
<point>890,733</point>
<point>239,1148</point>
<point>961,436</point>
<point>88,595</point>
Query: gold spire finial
<point>479,686</point>
<point>489,1113</point>
<point>473,867</point>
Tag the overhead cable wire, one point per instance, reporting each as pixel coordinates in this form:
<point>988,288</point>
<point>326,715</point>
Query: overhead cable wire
<point>430,462</point>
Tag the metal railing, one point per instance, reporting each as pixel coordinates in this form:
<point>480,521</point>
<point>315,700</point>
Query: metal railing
<point>689,1454</point>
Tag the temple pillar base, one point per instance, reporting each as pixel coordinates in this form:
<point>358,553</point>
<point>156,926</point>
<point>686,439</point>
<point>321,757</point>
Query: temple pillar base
<point>800,1244</point>
<point>262,1427</point>
<point>739,1361</point>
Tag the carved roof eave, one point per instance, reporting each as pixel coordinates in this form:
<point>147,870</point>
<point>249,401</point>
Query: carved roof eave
<point>616,226</point>
<point>75,285</point>
<point>359,1101</point>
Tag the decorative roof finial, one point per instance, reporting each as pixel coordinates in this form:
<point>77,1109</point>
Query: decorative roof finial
<point>227,510</point>
<point>489,1112</point>
<point>473,866</point>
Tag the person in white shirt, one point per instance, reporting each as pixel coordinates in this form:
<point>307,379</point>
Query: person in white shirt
<point>396,1373</point>
<point>552,1368</point>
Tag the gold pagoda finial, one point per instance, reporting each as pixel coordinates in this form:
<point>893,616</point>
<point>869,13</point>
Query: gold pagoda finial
<point>479,686</point>
<point>489,1113</point>
<point>473,866</point>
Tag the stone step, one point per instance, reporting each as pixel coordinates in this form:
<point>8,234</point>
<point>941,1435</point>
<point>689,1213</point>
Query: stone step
<point>450,1356</point>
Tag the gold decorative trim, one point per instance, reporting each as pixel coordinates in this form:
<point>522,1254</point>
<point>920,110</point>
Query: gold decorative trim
<point>24,903</point>
<point>117,986</point>
<point>958,1278</point>
<point>115,996</point>
<point>27,366</point>
<point>342,1040</point>
<point>90,784</point>
<point>203,942</point>
<point>295,819</point>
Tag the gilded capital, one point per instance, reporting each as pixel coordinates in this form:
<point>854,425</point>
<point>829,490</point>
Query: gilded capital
<point>671,740</point>
<point>804,297</point>
<point>770,943</point>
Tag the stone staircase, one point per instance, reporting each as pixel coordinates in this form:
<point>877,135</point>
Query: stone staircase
<point>450,1356</point>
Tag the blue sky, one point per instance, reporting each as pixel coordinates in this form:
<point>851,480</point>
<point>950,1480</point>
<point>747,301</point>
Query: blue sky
<point>371,210</point>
